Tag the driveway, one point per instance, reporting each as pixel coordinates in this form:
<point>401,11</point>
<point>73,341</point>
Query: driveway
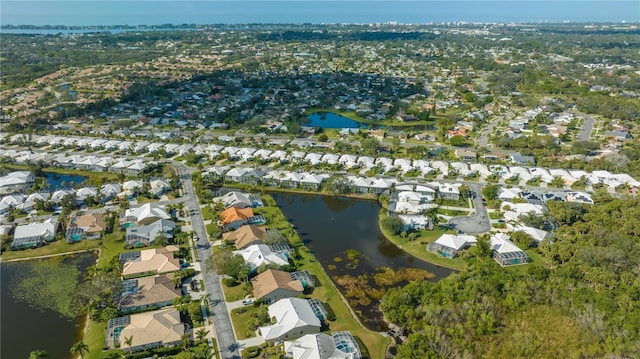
<point>587,127</point>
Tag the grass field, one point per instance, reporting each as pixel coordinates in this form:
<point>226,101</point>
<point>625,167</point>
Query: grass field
<point>231,294</point>
<point>54,248</point>
<point>243,318</point>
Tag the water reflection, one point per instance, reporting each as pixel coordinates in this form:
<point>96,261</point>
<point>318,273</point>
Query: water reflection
<point>344,237</point>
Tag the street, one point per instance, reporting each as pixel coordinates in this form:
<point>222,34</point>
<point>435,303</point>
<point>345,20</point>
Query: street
<point>218,313</point>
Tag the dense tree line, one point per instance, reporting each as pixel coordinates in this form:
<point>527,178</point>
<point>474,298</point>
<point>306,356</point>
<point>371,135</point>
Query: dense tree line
<point>581,302</point>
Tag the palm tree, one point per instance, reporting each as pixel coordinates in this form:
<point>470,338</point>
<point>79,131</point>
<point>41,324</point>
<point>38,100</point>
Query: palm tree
<point>129,341</point>
<point>79,348</point>
<point>201,334</point>
<point>38,354</point>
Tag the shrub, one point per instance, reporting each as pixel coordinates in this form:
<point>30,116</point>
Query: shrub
<point>230,282</point>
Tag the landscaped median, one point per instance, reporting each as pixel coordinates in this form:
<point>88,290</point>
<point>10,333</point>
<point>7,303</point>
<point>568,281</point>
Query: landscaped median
<point>375,344</point>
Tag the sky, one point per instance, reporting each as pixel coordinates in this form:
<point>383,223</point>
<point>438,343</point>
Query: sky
<point>157,12</point>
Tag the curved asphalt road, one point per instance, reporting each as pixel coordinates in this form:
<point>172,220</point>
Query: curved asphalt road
<point>479,222</point>
<point>221,321</point>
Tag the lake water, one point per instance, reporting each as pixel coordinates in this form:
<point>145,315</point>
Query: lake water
<point>329,226</point>
<point>62,181</point>
<point>331,120</point>
<point>24,329</point>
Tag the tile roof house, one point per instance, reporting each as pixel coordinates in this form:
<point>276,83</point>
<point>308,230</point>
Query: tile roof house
<point>34,234</point>
<point>294,317</point>
<point>148,292</point>
<point>244,236</point>
<point>273,285</point>
<point>233,217</point>
<point>338,345</point>
<point>88,226</point>
<point>151,261</point>
<point>151,330</point>
<point>256,255</point>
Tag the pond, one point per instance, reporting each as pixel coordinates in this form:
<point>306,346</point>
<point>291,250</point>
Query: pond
<point>24,327</point>
<point>332,120</point>
<point>344,237</point>
<point>62,181</point>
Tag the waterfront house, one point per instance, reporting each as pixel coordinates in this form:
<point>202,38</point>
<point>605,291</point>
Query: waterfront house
<point>245,236</point>
<point>147,293</point>
<point>239,200</point>
<point>257,255</point>
<point>88,226</point>
<point>273,285</point>
<point>146,330</point>
<point>34,234</point>
<point>293,317</point>
<point>338,345</point>
<point>448,245</point>
<point>232,218</point>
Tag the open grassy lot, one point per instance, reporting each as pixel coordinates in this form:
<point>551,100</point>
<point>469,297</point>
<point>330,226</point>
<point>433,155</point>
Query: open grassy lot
<point>375,344</point>
<point>245,318</point>
<point>231,294</point>
<point>54,248</point>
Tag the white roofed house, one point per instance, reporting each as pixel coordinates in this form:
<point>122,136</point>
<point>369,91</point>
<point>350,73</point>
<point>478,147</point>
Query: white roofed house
<point>119,165</point>
<point>238,199</point>
<point>385,163</point>
<point>380,185</point>
<point>509,194</point>
<point>31,200</point>
<point>58,196</point>
<point>505,252</point>
<point>330,158</point>
<point>313,181</point>
<point>415,222</point>
<point>313,158</point>
<point>15,182</point>
<point>512,211</point>
<point>359,184</point>
<point>84,193</point>
<point>132,187</point>
<point>293,317</point>
<point>145,214</point>
<point>448,245</point>
<point>261,254</point>
<point>109,191</point>
<point>348,161</point>
<point>145,235</point>
<point>279,155</point>
<point>403,164</point>
<point>11,201</point>
<point>136,167</point>
<point>366,162</point>
<point>159,186</point>
<point>263,154</point>
<point>448,190</point>
<point>217,172</point>
<point>34,234</point>
<point>338,345</point>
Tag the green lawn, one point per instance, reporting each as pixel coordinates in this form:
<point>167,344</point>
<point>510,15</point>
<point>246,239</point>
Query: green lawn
<point>238,292</point>
<point>418,248</point>
<point>325,290</point>
<point>244,318</point>
<point>207,213</point>
<point>54,248</point>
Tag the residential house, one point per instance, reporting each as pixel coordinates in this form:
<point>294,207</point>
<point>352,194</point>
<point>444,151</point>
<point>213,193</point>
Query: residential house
<point>145,235</point>
<point>580,197</point>
<point>466,155</point>
<point>293,317</point>
<point>34,234</point>
<point>87,226</point>
<point>261,254</point>
<point>16,182</point>
<point>145,214</point>
<point>448,190</point>
<point>505,252</point>
<point>415,222</point>
<point>232,218</point>
<point>517,158</point>
<point>146,330</point>
<point>338,345</point>
<point>148,293</point>
<point>448,245</point>
<point>239,200</point>
<point>538,235</point>
<point>377,134</point>
<point>273,285</point>
<point>149,262</point>
<point>158,186</point>
<point>245,236</point>
<point>109,191</point>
